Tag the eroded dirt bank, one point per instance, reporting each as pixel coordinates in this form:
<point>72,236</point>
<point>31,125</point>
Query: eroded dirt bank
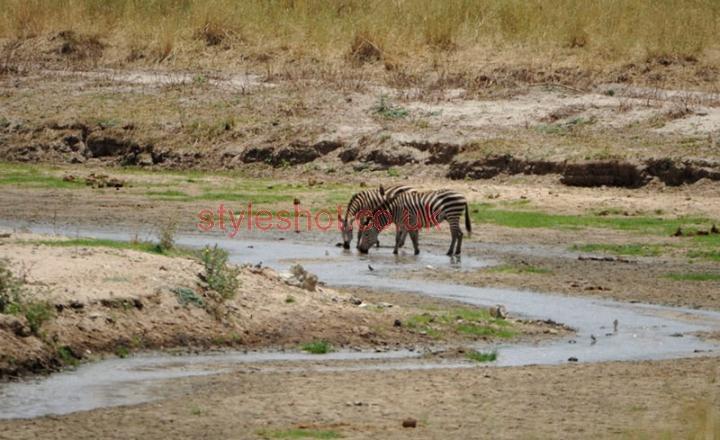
<point>605,135</point>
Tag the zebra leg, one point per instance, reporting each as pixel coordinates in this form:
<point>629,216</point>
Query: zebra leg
<point>402,239</point>
<point>398,239</point>
<point>459,243</point>
<point>415,241</point>
<point>454,229</point>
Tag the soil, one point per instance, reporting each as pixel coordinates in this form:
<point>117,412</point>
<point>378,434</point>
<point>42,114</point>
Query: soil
<point>667,399</point>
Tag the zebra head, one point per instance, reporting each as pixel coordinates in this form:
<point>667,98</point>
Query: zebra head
<point>368,235</point>
<point>346,227</point>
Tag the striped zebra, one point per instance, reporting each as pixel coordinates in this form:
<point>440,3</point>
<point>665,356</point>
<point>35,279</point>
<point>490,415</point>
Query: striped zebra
<point>412,211</point>
<point>362,204</point>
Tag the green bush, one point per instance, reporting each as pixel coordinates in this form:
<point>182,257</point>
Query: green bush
<point>218,275</point>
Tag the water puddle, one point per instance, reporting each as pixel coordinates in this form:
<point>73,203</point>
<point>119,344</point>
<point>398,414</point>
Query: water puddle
<point>644,332</point>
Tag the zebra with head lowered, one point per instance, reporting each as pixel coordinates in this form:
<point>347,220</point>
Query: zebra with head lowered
<point>412,211</point>
<point>363,204</point>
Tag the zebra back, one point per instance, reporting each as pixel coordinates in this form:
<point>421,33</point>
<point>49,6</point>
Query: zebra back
<point>372,198</point>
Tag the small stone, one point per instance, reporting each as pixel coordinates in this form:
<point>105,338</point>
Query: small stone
<point>397,323</point>
<point>409,423</point>
<point>572,359</point>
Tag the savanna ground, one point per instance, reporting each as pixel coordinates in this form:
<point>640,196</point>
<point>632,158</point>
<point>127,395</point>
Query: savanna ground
<point>574,129</point>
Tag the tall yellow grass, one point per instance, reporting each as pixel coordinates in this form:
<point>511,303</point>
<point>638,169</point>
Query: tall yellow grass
<point>609,29</point>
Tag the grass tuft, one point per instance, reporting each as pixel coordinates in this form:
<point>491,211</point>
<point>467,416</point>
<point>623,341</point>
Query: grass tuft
<point>299,433</point>
<point>317,347</point>
<point>479,356</point>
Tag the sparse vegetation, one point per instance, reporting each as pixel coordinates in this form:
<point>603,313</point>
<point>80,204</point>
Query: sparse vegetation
<point>166,236</point>
<point>218,274</point>
<point>694,276</point>
<point>463,321</point>
<point>479,356</point>
<point>636,250</point>
<point>141,246</point>
<point>386,110</point>
<point>299,433</point>
<point>519,269</point>
<point>14,300</point>
<point>317,347</point>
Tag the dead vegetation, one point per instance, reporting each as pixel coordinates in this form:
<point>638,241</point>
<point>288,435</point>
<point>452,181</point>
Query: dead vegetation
<point>473,41</point>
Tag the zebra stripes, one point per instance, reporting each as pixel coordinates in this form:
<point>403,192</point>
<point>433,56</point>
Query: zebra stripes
<point>412,211</point>
<point>366,202</point>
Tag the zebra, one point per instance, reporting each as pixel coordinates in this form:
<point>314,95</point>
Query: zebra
<point>362,204</point>
<point>411,211</point>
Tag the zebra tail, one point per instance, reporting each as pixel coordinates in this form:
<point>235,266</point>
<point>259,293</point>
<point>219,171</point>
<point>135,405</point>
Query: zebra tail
<point>467,219</point>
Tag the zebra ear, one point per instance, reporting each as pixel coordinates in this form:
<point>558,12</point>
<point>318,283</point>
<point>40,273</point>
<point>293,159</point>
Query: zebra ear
<point>382,191</point>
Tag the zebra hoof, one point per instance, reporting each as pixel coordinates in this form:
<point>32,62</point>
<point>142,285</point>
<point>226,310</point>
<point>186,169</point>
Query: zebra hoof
<point>417,251</point>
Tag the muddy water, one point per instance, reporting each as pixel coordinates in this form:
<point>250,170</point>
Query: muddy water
<point>644,331</point>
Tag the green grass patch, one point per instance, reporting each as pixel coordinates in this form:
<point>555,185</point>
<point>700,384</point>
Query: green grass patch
<point>299,433</point>
<point>317,347</point>
<point>486,213</point>
<point>705,255</point>
<point>32,177</point>
<point>519,269</point>
<point>66,356</point>
<point>694,276</point>
<point>470,322</point>
<point>636,250</point>
<point>479,356</point>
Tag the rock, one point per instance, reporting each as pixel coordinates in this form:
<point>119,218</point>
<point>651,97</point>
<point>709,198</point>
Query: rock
<point>144,159</point>
<point>397,323</point>
<point>572,359</point>
<point>355,301</point>
<point>409,423</point>
<point>15,325</point>
<point>362,330</point>
<point>498,312</point>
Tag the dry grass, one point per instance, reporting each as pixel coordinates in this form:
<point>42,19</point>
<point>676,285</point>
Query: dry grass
<point>604,30</point>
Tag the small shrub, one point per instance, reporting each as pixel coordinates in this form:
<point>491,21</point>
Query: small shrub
<point>166,237</point>
<point>290,299</point>
<point>66,355</point>
<point>388,111</point>
<point>218,275</point>
<point>317,347</point>
<point>122,352</point>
